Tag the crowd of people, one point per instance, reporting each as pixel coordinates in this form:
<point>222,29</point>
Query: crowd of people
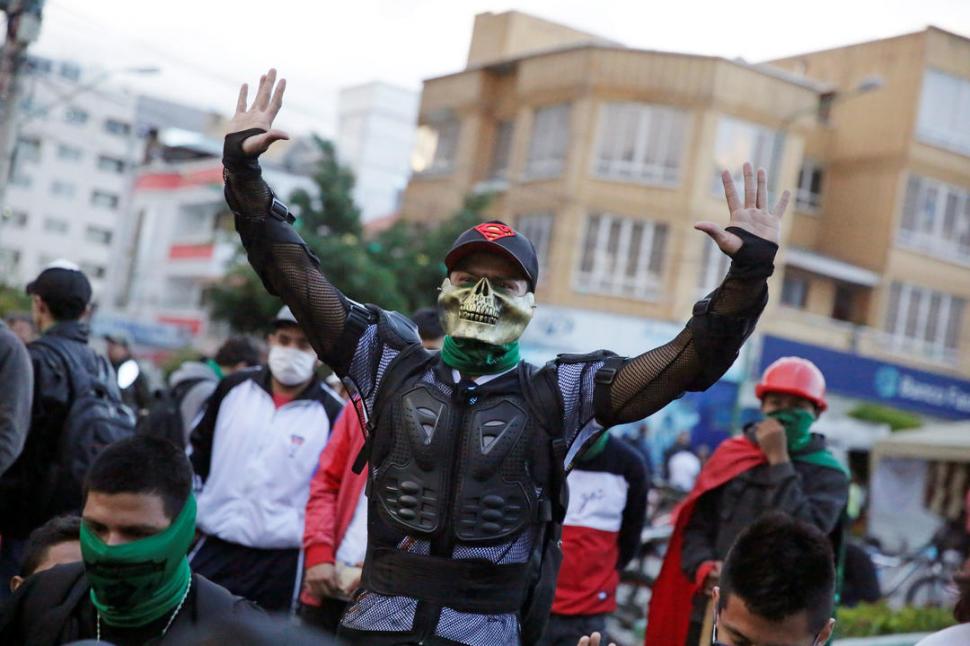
<point>441,491</point>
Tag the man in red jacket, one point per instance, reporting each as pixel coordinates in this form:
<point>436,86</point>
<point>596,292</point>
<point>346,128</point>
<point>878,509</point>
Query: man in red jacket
<point>335,534</point>
<point>601,533</point>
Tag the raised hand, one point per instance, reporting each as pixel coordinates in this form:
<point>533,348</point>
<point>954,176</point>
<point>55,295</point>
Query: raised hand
<point>266,105</point>
<point>754,217</point>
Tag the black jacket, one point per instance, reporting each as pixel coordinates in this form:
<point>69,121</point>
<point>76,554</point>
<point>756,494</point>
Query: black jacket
<point>54,607</point>
<point>817,495</point>
<point>28,496</point>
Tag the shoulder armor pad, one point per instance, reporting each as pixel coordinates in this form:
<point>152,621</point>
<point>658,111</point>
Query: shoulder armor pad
<point>397,329</point>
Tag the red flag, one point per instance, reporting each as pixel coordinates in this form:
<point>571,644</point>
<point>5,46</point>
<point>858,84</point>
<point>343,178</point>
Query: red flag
<point>671,601</point>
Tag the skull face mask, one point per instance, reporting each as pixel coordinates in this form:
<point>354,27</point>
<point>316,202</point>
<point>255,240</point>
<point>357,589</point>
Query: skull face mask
<point>483,313</point>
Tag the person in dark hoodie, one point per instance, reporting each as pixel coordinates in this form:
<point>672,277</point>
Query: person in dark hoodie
<point>34,489</point>
<point>135,585</point>
<point>777,464</point>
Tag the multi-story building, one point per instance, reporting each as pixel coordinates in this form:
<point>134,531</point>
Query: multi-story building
<point>72,167</point>
<point>183,241</point>
<point>375,137</point>
<point>606,157</point>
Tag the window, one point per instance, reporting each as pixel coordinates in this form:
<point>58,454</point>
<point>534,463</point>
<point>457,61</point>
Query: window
<point>75,115</point>
<point>116,127</point>
<point>55,225</point>
<point>9,261</point>
<point>68,153</point>
<point>549,143</point>
<point>640,143</point>
<point>28,149</point>
<point>16,219</point>
<point>923,320</point>
<point>622,256</point>
<point>111,164</point>
<point>197,222</point>
<point>794,290</point>
<point>714,266</point>
<point>936,218</point>
<point>501,150</point>
<point>436,147</point>
<point>92,270</point>
<point>537,227</point>
<point>63,189</point>
<point>943,110</point>
<point>181,291</point>
<point>70,71</point>
<point>808,197</point>
<point>105,199</point>
<point>98,235</point>
<point>740,141</point>
<point>20,179</point>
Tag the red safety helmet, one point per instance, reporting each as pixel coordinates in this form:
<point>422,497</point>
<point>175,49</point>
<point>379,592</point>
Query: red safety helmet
<point>794,376</point>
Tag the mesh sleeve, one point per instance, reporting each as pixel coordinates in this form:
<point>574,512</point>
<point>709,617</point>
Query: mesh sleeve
<point>706,348</point>
<point>280,257</point>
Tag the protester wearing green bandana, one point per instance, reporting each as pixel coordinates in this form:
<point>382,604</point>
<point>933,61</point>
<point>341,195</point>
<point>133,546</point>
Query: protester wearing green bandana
<point>134,585</point>
<point>798,475</point>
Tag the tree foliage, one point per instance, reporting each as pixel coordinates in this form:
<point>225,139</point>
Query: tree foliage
<point>399,269</point>
<point>13,300</point>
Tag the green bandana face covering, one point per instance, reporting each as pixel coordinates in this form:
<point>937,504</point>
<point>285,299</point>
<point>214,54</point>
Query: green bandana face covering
<point>596,448</point>
<point>136,583</point>
<point>797,423</point>
<point>472,357</point>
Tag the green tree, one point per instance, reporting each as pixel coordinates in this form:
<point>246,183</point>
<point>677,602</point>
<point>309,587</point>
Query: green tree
<point>13,300</point>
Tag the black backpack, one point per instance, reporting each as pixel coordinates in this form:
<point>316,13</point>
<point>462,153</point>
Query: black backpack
<point>96,417</point>
<point>164,418</point>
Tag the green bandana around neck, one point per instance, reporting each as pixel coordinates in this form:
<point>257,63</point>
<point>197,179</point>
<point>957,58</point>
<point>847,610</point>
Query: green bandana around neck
<point>798,423</point>
<point>216,368</point>
<point>471,357</point>
<point>136,583</point>
<point>596,448</point>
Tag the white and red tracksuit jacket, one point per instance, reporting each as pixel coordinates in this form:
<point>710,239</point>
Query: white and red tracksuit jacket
<point>334,492</point>
<point>601,532</point>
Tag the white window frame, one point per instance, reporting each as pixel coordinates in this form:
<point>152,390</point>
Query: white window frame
<point>60,226</point>
<point>549,141</point>
<point>640,142</point>
<point>110,164</point>
<point>62,189</point>
<point>68,153</point>
<point>943,108</point>
<point>96,193</point>
<point>498,165</point>
<point>98,235</point>
<point>608,272</point>
<point>804,286</point>
<point>764,150</point>
<point>538,227</point>
<point>926,229</point>
<point>714,267</point>
<point>805,200</point>
<point>931,343</point>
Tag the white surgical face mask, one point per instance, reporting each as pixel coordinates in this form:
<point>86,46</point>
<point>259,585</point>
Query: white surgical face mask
<point>291,366</point>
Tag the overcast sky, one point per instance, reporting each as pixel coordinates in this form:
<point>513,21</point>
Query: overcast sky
<point>206,48</point>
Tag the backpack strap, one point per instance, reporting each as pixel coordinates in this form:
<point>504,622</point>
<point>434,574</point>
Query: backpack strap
<point>410,360</point>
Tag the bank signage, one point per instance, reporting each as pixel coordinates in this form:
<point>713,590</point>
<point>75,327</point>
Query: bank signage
<point>889,383</point>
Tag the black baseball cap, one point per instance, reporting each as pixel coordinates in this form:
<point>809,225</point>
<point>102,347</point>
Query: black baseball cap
<point>497,237</point>
<point>64,288</point>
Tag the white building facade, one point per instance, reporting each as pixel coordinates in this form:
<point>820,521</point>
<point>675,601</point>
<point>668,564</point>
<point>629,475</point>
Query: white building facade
<point>70,180</point>
<point>376,130</point>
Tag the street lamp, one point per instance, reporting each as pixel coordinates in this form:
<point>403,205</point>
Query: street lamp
<point>827,99</point>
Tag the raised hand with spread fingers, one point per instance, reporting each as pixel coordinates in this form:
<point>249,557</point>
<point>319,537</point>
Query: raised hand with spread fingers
<point>753,216</point>
<point>260,115</point>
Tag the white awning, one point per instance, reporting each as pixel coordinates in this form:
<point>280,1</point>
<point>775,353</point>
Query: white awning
<point>826,266</point>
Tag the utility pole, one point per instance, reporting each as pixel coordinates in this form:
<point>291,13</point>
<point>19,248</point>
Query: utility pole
<point>23,28</point>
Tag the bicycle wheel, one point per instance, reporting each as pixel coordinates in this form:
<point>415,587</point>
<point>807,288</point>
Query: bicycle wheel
<point>929,591</point>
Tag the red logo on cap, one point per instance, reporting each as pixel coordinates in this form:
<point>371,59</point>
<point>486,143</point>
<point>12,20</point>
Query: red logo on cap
<point>493,231</point>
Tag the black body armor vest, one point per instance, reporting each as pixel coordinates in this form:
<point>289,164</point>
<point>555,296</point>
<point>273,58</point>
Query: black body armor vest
<point>478,466</point>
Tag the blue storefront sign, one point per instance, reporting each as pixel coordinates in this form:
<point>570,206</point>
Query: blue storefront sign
<point>888,383</point>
